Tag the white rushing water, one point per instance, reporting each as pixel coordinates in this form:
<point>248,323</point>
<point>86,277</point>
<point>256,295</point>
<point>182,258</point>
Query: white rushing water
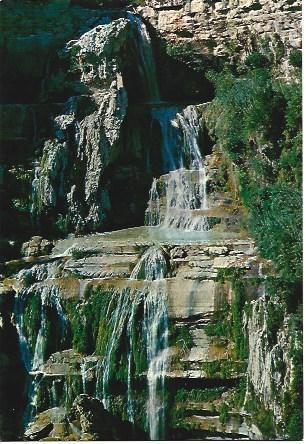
<point>50,297</point>
<point>147,64</point>
<point>152,266</point>
<point>122,318</point>
<point>26,356</point>
<point>155,326</point>
<point>178,199</point>
<point>116,321</point>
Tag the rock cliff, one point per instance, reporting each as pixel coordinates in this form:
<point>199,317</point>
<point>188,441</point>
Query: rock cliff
<point>230,29</point>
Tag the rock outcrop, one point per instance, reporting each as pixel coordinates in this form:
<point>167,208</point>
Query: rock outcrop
<point>229,29</point>
<point>71,169</point>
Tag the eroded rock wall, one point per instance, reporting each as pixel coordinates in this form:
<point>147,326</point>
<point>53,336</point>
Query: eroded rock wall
<point>231,28</point>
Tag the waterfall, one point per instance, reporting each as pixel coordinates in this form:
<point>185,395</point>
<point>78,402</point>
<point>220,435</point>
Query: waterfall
<point>190,124</point>
<point>185,200</point>
<point>49,298</point>
<point>169,127</point>
<point>152,214</point>
<point>153,267</point>
<point>147,64</point>
<point>116,321</point>
<point>155,326</point>
<point>179,199</point>
<point>130,334</point>
<point>19,306</point>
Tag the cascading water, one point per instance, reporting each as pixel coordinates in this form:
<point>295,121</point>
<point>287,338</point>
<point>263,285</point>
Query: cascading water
<point>116,321</point>
<point>155,326</point>
<point>121,317</point>
<point>170,142</point>
<point>153,267</point>
<point>179,199</point>
<point>152,214</point>
<point>26,355</point>
<point>147,64</point>
<point>49,298</point>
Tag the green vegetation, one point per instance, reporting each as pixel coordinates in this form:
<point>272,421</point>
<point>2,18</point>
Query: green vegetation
<point>180,336</point>
<point>293,400</point>
<point>228,322</point>
<point>219,324</point>
<point>224,368</point>
<point>32,318</point>
<point>256,119</point>
<point>262,417</point>
<point>198,395</point>
<point>224,413</point>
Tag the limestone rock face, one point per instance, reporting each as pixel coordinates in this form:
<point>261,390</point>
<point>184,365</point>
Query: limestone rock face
<point>232,28</point>
<point>36,246</point>
<point>71,167</point>
<point>270,364</point>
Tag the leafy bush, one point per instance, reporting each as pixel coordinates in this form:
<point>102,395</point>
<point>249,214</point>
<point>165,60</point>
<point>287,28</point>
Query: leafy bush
<point>256,60</point>
<point>257,121</point>
<point>295,58</point>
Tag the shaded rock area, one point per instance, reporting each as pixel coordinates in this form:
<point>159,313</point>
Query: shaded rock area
<point>87,420</point>
<point>12,372</point>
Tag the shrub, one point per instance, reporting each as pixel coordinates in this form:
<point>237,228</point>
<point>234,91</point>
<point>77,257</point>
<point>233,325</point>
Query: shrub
<point>295,58</point>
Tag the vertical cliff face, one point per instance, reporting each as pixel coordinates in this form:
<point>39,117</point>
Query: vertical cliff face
<point>71,168</point>
<point>173,326</point>
<point>230,29</point>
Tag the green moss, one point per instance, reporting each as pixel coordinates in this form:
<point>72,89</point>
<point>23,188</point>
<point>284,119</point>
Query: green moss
<point>260,416</point>
<point>198,395</point>
<point>180,337</point>
<point>224,368</point>
<point>224,413</point>
<point>32,318</point>
<point>231,325</point>
<point>88,321</point>
<point>295,58</point>
<point>219,325</point>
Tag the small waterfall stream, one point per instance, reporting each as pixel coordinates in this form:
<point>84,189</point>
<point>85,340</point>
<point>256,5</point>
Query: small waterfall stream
<point>147,63</point>
<point>49,297</point>
<point>121,319</point>
<point>26,355</point>
<point>153,267</point>
<point>155,325</point>
<point>179,199</point>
